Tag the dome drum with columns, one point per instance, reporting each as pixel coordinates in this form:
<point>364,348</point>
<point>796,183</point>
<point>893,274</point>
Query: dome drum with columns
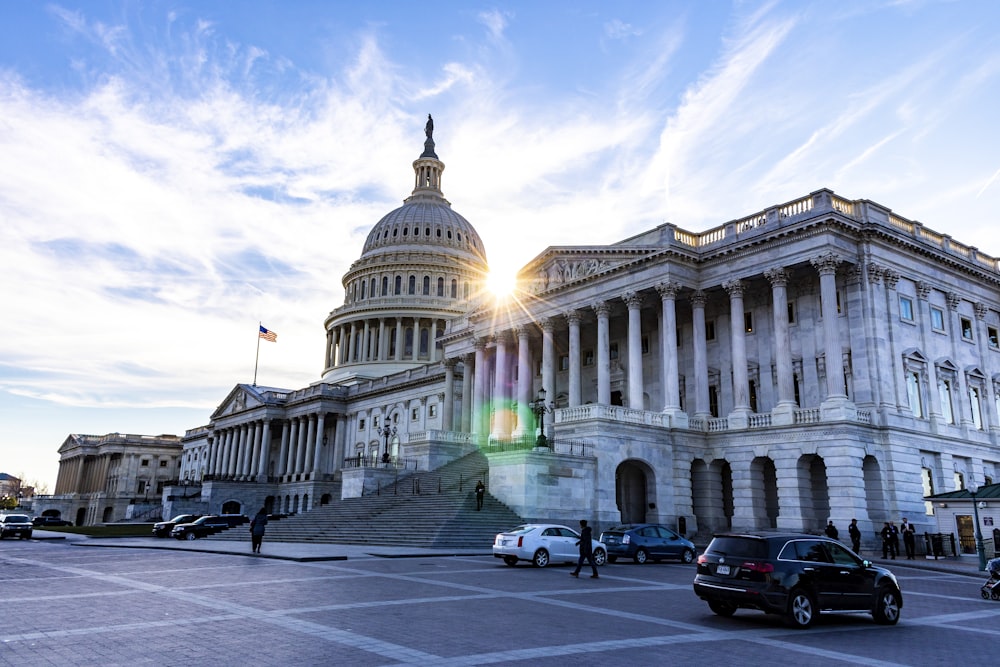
<point>823,358</point>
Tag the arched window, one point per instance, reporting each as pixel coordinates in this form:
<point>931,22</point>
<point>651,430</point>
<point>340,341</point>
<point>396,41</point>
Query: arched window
<point>363,285</point>
<point>427,285</point>
<point>413,285</point>
<point>424,336</point>
<point>371,289</point>
<point>385,285</point>
<point>399,284</point>
<point>454,288</point>
<point>408,344</point>
<point>440,286</point>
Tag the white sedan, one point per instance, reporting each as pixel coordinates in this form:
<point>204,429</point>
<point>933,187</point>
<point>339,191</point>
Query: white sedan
<point>543,544</point>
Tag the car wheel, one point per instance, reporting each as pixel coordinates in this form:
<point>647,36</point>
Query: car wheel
<point>641,556</point>
<point>985,593</point>
<point>190,536</point>
<point>541,558</point>
<point>801,609</point>
<point>995,596</point>
<point>600,557</point>
<point>612,559</point>
<point>722,608</point>
<point>510,560</point>
<point>887,607</point>
<point>687,556</point>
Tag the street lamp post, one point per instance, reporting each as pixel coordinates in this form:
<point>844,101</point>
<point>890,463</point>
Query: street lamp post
<point>541,408</point>
<point>980,551</point>
<point>386,432</point>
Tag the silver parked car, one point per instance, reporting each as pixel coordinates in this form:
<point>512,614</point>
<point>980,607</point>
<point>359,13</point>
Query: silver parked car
<point>542,544</point>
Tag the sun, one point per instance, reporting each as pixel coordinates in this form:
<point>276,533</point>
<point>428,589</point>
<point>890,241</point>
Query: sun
<point>500,282</point>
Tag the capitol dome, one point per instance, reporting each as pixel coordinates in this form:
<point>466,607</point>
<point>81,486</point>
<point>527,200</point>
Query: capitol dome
<point>421,265</point>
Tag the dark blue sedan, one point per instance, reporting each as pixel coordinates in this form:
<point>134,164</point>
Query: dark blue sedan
<point>643,542</point>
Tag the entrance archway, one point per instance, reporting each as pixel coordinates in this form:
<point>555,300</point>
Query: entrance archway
<point>632,480</point>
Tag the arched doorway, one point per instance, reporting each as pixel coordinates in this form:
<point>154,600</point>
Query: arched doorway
<point>631,482</point>
<point>231,507</point>
<point>764,492</point>
<point>81,516</point>
<point>109,515</point>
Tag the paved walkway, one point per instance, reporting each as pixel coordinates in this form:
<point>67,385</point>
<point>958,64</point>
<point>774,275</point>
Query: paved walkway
<point>306,552</point>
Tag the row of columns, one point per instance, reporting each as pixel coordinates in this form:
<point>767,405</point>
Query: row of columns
<point>362,342</point>
<point>502,394</point>
<point>243,452</point>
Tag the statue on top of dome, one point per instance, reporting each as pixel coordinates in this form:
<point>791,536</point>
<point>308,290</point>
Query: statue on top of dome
<point>429,127</point>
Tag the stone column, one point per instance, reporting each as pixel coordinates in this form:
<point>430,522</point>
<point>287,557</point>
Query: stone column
<point>575,397</point>
<point>416,339</point>
<point>293,445</point>
<point>784,412</point>
<point>213,448</point>
<point>327,361</point>
<point>448,409</point>
<point>836,405</point>
<point>501,400</point>
<point>352,344</point>
<point>400,339</point>
<point>383,348</point>
<point>225,453</point>
<point>254,462</point>
<point>603,310</point>
<point>246,451</point>
<point>467,374</point>
<point>265,451</point>
<point>700,355</point>
<point>738,418</point>
<point>339,440</point>
<point>479,389</point>
<point>548,370</point>
<point>283,451</point>
<point>234,448</point>
<point>524,418</point>
<point>432,341</point>
<point>635,383</point>
<point>318,444</point>
<point>671,375</point>
<point>309,445</point>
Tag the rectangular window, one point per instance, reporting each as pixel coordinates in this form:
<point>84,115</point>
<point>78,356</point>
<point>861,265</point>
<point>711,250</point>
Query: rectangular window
<point>710,330</point>
<point>944,389</point>
<point>375,421</point>
<point>645,344</point>
<point>748,322</point>
<point>564,362</point>
<point>913,393</point>
<point>975,407</point>
<point>994,340</point>
<point>791,312</point>
<point>163,464</point>
<point>361,424</point>
<point>432,410</point>
<point>906,309</point>
<point>144,463</point>
<point>588,357</point>
<point>613,351</point>
<point>713,401</point>
<point>141,487</point>
<point>678,336</point>
<point>840,310</point>
<point>415,414</point>
<point>966,324</point>
<point>937,319</point>
<point>753,395</point>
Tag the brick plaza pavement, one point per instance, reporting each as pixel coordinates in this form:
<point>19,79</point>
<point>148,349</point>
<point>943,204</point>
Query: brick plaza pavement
<point>69,605</point>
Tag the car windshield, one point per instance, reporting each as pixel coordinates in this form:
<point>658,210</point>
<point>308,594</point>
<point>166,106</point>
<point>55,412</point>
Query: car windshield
<point>744,547</point>
<point>17,518</point>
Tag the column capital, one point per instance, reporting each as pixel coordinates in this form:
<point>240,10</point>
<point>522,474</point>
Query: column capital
<point>521,331</point>
<point>573,317</point>
<point>778,276</point>
<point>981,310</point>
<point>953,300</point>
<point>875,272</point>
<point>602,308</point>
<point>923,290</point>
<point>479,343</point>
<point>668,289</point>
<point>734,287</point>
<point>503,337</point>
<point>826,263</point>
<point>547,324</point>
<point>698,298</point>
<point>450,362</point>
<point>891,278</point>
<point>632,299</point>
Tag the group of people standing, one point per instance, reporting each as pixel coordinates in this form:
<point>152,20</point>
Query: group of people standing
<point>889,534</point>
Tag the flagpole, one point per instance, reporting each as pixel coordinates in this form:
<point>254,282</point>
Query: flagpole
<point>257,359</point>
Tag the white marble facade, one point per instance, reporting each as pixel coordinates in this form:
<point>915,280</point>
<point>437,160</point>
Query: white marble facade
<point>824,358</point>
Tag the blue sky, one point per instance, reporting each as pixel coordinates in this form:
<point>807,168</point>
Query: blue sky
<point>171,173</point>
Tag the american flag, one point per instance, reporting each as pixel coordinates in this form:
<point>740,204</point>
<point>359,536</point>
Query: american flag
<point>268,335</point>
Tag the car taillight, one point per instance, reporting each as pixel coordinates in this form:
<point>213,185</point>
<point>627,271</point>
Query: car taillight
<point>520,542</point>
<point>763,568</point>
<point>702,559</point>
<point>627,539</point>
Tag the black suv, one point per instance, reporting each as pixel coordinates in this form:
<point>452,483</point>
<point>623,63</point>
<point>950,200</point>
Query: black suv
<point>207,525</point>
<point>44,521</point>
<point>163,528</point>
<point>798,576</point>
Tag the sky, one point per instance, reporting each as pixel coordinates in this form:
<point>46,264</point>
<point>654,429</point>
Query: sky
<point>174,173</point>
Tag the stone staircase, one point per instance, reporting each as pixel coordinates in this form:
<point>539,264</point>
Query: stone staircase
<point>429,509</point>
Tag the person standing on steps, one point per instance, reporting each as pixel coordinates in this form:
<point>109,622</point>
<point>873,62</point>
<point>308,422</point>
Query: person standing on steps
<point>257,530</point>
<point>480,492</point>
<point>586,550</point>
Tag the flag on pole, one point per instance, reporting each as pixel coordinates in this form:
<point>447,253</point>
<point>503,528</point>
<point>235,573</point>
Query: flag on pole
<point>268,335</point>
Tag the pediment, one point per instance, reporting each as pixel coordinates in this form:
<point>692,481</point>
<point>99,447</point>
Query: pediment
<point>566,266</point>
<point>240,399</point>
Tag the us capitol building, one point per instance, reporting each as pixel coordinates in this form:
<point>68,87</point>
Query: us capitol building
<point>825,358</point>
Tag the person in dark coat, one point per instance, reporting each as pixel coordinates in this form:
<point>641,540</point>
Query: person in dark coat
<point>888,543</point>
<point>831,530</point>
<point>855,534</point>
<point>586,550</point>
<point>480,492</point>
<point>909,538</point>
<point>257,530</point>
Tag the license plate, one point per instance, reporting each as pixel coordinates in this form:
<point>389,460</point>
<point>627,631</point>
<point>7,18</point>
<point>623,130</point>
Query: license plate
<point>722,569</point>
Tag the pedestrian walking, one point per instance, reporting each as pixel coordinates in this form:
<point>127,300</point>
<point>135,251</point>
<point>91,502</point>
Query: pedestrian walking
<point>480,492</point>
<point>586,550</point>
<point>257,530</point>
<point>831,530</point>
<point>909,538</point>
<point>855,534</point>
